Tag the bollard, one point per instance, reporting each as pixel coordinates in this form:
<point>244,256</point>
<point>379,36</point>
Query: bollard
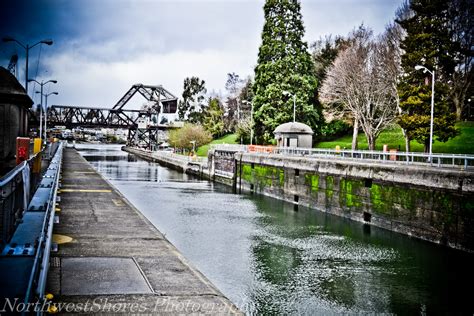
<point>36,150</point>
<point>22,149</point>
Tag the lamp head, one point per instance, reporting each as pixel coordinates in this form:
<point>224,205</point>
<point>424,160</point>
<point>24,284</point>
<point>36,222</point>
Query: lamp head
<point>47,41</point>
<point>419,67</point>
<point>8,39</point>
<point>53,81</point>
<point>56,93</point>
<point>31,80</point>
<point>38,92</point>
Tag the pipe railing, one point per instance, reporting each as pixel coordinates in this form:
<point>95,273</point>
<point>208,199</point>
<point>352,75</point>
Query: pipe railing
<point>39,272</point>
<point>16,188</point>
<point>412,158</point>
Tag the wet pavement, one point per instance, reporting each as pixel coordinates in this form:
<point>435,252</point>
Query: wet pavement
<point>117,261</point>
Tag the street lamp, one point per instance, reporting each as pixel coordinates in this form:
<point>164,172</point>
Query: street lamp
<point>294,103</point>
<point>251,118</point>
<point>46,112</point>
<point>41,108</point>
<point>419,67</point>
<point>194,145</point>
<point>27,49</point>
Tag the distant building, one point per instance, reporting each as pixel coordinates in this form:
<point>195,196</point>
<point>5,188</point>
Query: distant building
<point>294,134</point>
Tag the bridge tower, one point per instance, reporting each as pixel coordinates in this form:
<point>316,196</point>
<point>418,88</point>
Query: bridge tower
<point>143,125</point>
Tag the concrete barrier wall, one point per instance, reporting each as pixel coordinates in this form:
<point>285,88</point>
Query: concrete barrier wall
<point>170,160</point>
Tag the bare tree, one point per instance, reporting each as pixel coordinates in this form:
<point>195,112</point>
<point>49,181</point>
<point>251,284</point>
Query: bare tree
<point>462,30</point>
<point>361,79</point>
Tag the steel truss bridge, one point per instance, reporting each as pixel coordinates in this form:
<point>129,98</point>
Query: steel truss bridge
<point>161,101</point>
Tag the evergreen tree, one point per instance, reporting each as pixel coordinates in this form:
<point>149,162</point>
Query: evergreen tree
<point>325,51</point>
<point>428,43</point>
<point>191,107</point>
<point>214,118</point>
<point>284,64</point>
<point>245,97</point>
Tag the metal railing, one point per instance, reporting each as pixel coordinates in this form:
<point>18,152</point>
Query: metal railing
<point>39,272</point>
<point>399,157</point>
<point>16,189</point>
<point>28,199</point>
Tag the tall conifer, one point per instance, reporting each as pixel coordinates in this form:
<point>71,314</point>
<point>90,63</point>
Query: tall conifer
<point>284,65</point>
<point>427,43</point>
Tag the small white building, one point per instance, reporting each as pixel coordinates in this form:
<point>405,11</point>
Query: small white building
<point>294,134</point>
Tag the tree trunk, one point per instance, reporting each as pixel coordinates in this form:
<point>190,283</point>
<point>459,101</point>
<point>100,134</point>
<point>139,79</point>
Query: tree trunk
<point>458,106</point>
<point>407,141</point>
<point>370,141</point>
<point>354,134</point>
<point>427,146</point>
<point>407,144</point>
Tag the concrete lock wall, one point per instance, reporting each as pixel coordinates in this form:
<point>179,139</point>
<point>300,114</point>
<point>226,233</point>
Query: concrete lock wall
<point>431,204</point>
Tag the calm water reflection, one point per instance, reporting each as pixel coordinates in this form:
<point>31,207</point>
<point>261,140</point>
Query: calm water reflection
<point>269,259</point>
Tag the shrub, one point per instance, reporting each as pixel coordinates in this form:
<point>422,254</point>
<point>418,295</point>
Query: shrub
<point>334,129</point>
<point>182,138</point>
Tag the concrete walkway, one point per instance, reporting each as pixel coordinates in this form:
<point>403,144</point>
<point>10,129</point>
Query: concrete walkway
<point>117,261</point>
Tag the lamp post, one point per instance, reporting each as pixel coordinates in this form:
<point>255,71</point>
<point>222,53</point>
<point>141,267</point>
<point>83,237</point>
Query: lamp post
<point>27,48</point>
<point>41,107</point>
<point>46,112</point>
<point>251,119</point>
<point>194,146</point>
<point>419,67</point>
<point>294,103</point>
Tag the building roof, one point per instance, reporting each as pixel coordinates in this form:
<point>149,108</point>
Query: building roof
<point>11,91</point>
<point>293,128</point>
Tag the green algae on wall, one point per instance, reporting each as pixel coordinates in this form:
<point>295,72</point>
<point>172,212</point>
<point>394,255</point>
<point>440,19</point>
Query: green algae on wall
<point>247,172</point>
<point>329,187</point>
<point>263,176</point>
<point>380,198</point>
<point>349,190</point>
<point>312,181</point>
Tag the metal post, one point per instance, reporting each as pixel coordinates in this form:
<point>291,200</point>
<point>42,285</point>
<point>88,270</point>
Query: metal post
<point>26,70</point>
<point>294,108</point>
<point>251,122</point>
<point>45,117</point>
<point>432,110</point>
<point>41,111</point>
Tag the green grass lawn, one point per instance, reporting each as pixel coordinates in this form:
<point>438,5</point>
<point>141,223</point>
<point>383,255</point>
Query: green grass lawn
<point>227,139</point>
<point>393,137</point>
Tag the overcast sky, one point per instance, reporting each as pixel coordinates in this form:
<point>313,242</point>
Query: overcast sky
<point>102,47</point>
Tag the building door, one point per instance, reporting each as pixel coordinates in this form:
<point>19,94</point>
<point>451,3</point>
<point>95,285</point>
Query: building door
<point>293,142</point>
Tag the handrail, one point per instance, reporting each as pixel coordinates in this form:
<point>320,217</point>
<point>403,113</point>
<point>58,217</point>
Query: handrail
<point>42,255</point>
<point>15,171</point>
<point>438,160</point>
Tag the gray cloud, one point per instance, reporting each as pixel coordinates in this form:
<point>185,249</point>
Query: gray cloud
<point>103,47</point>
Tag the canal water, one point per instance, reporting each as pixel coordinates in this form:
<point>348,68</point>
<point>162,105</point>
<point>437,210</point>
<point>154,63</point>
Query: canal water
<point>269,258</point>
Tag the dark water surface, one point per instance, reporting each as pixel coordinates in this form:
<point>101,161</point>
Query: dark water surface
<point>270,259</point>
